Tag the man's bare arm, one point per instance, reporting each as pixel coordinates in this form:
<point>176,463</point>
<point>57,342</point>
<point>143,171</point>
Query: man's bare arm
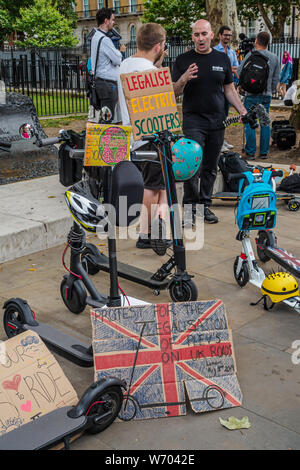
<point>234,99</point>
<point>190,74</point>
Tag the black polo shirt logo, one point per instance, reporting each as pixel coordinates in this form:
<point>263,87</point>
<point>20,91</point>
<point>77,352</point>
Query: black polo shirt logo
<point>216,68</point>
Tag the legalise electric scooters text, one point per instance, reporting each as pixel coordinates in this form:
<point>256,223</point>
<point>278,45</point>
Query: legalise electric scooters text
<point>153,459</point>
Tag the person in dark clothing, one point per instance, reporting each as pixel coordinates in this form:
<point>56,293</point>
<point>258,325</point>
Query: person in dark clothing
<point>204,76</point>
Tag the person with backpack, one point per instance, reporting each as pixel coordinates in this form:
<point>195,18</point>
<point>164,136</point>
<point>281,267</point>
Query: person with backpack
<point>105,61</point>
<point>259,76</point>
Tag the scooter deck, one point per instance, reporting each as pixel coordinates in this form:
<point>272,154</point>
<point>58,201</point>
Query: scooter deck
<point>131,273</point>
<point>65,345</point>
<point>285,259</point>
<point>43,432</point>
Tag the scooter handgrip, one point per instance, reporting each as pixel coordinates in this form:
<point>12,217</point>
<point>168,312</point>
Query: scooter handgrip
<point>236,176</point>
<point>149,138</point>
<point>277,173</point>
<point>76,153</point>
<point>143,156</point>
<point>49,141</point>
<point>5,145</point>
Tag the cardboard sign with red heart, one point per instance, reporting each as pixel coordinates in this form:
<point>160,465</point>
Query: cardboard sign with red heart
<point>31,382</point>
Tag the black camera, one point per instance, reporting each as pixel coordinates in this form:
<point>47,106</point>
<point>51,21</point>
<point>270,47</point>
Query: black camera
<point>246,45</point>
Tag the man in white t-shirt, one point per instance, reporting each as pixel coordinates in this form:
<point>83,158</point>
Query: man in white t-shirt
<point>151,40</point>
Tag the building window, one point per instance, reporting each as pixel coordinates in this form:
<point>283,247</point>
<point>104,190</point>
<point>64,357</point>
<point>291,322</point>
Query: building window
<point>133,6</point>
<point>251,28</point>
<point>100,4</point>
<point>132,33</point>
<point>116,6</point>
<point>86,8</point>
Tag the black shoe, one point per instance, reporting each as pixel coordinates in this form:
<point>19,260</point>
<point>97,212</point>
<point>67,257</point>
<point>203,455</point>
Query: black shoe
<point>143,242</point>
<point>209,216</point>
<point>263,157</point>
<point>249,157</point>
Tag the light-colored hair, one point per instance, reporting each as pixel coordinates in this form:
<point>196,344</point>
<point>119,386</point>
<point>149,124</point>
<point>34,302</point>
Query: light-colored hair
<point>150,34</point>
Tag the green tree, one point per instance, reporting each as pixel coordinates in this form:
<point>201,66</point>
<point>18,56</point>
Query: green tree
<point>176,16</point>
<point>44,26</point>
<point>275,13</point>
<point>65,7</point>
<point>5,25</point>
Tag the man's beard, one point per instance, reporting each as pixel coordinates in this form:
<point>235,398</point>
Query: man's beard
<point>159,55</point>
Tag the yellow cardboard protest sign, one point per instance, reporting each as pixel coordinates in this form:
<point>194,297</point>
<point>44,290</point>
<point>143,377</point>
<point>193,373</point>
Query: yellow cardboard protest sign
<point>106,144</point>
<point>150,101</point>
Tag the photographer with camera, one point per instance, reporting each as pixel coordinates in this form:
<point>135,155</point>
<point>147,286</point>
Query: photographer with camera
<point>246,45</point>
<point>108,60</point>
<point>259,75</point>
<point>224,46</point>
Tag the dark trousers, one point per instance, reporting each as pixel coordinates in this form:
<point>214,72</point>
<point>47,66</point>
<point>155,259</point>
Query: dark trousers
<point>211,143</point>
<point>107,92</point>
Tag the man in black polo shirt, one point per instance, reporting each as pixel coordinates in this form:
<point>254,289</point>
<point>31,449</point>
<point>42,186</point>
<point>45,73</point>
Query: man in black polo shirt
<point>204,76</point>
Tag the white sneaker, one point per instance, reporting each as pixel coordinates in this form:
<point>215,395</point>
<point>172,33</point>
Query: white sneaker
<point>224,148</point>
<point>229,146</point>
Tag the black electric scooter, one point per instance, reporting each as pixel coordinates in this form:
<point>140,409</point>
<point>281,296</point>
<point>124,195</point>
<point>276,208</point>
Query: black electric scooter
<point>180,285</point>
<point>172,275</point>
<point>96,410</point>
<point>19,317</point>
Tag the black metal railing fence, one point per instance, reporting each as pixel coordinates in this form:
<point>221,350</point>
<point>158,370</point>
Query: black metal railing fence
<point>56,79</point>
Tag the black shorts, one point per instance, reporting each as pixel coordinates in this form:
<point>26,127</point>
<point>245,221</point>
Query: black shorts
<point>151,172</point>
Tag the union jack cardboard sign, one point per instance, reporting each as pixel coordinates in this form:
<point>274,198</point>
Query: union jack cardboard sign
<point>167,353</point>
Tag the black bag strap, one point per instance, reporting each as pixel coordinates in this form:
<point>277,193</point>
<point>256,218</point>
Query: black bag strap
<point>97,55</point>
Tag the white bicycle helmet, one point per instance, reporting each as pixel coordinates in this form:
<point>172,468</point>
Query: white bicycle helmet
<point>84,208</point>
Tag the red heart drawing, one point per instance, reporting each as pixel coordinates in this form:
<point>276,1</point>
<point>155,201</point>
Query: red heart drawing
<point>26,406</point>
<point>12,384</point>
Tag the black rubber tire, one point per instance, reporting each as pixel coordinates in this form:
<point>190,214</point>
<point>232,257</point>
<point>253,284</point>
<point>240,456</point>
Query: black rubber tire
<point>77,303</point>
<point>263,239</point>
<point>115,395</point>
<point>90,267</point>
<point>243,278</point>
<point>293,205</point>
<point>189,291</point>
<point>13,312</point>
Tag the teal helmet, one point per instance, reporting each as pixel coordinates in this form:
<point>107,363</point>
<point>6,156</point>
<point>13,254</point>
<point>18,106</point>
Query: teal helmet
<point>187,156</point>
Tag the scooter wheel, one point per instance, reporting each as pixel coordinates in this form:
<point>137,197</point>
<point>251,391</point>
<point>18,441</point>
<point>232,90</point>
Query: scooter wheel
<point>263,240</point>
<point>89,266</point>
<point>293,205</point>
<point>242,278</point>
<point>76,301</point>
<point>183,291</point>
<point>13,318</point>
<point>109,400</point>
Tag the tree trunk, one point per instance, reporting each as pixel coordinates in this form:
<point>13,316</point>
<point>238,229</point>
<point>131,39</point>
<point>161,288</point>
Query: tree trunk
<point>223,12</point>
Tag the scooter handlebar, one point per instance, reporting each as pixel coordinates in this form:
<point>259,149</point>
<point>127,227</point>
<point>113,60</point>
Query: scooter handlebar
<point>49,141</point>
<point>5,145</point>
<point>76,153</point>
<point>236,176</point>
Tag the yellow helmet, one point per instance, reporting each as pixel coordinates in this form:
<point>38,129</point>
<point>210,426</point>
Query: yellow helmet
<point>280,286</point>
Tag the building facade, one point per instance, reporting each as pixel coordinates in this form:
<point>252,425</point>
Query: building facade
<point>127,12</point>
